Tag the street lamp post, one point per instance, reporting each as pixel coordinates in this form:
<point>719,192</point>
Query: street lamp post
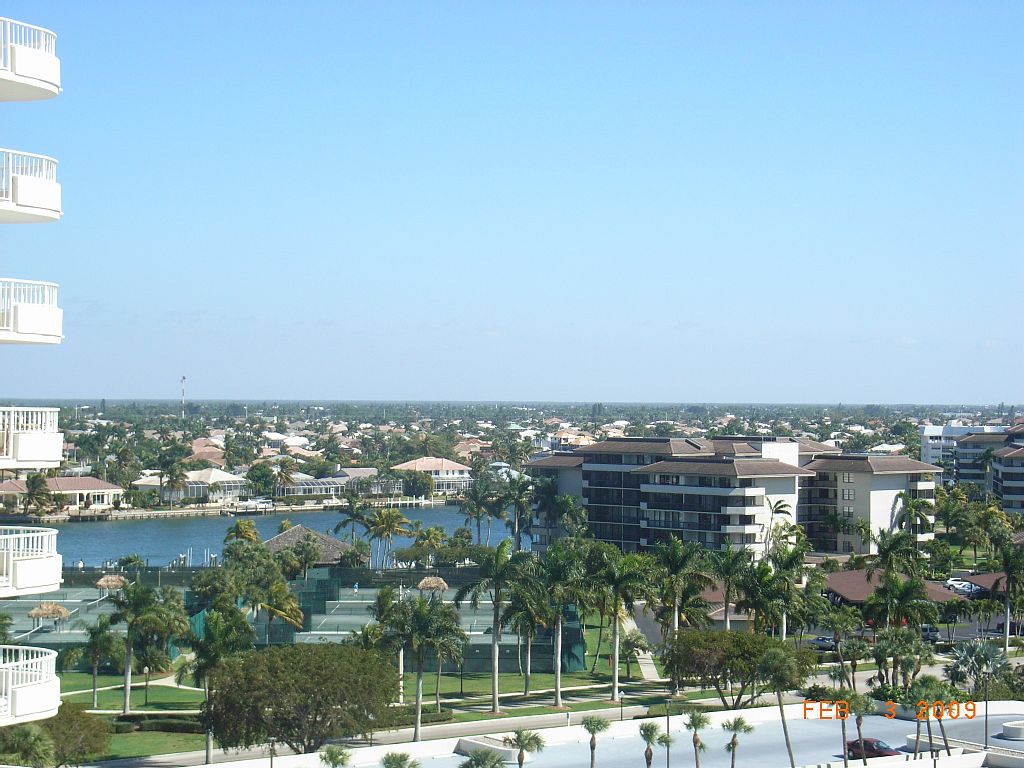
<point>272,742</point>
<point>668,734</point>
<point>145,671</point>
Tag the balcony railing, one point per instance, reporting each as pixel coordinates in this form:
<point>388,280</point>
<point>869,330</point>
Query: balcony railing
<point>28,187</point>
<point>29,561</point>
<point>26,35</point>
<point>29,437</point>
<point>29,312</point>
<point>29,688</point>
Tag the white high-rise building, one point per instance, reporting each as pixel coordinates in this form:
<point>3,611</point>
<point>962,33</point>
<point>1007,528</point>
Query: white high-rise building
<point>29,314</point>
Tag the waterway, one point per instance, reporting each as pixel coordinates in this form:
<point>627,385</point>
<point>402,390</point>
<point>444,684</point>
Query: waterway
<point>161,541</point>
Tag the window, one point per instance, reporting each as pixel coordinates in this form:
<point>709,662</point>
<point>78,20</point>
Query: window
<point>847,511</point>
<point>848,494</point>
<point>847,477</point>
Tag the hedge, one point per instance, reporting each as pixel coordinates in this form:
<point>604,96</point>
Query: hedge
<point>172,725</point>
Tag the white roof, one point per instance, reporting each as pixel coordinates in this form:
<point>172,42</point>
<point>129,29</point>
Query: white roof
<point>430,464</point>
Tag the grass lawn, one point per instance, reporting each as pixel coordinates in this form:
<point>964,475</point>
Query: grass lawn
<point>82,681</point>
<point>160,698</point>
<point>144,743</point>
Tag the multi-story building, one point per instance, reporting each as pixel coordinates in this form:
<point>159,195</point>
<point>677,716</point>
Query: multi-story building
<point>938,443</point>
<point>448,476</point>
<point>566,470</point>
<point>851,487</point>
<point>973,457</point>
<point>29,314</point>
<point>1008,471</point>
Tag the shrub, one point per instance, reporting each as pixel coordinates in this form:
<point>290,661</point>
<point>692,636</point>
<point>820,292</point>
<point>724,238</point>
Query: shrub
<point>172,725</point>
<point>122,727</point>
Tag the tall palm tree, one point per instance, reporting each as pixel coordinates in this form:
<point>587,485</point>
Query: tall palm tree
<point>134,606</point>
<point>910,513</point>
<point>498,569</point>
<point>763,594</point>
<point>475,504</point>
<point>483,758</point>
<point>649,733</point>
<point>1009,583</point>
<point>788,562</point>
<point>895,552</point>
<point>683,567</point>
<point>280,603</point>
<point>353,513</point>
<point>562,573</point>
<point>841,620</point>
<point>696,721</point>
<point>728,565</point>
<point>37,494</point>
<point>100,645</point>
<point>594,725</point>
<point>389,614</point>
<point>781,671</point>
<point>242,530</point>
<point>398,760</point>
<point>897,601</point>
<point>518,493</point>
<point>286,468</point>
<point>977,661</point>
<point>176,479</point>
<point>736,726</point>
<point>528,610</point>
<point>779,508</point>
<point>628,579</point>
<point>495,508</point>
<point>384,525</point>
<point>524,741</point>
<point>223,636</point>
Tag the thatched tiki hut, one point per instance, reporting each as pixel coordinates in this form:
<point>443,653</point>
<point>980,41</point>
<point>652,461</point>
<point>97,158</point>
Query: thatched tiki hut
<point>49,610</point>
<point>432,584</point>
<point>112,582</point>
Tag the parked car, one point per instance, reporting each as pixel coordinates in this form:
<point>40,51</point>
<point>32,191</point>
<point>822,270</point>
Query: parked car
<point>872,748</point>
<point>1016,628</point>
<point>954,581</point>
<point>968,590</point>
<point>930,633</point>
<point>823,643</point>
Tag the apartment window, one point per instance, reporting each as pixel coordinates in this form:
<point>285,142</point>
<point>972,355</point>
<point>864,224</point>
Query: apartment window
<point>847,477</point>
<point>847,546</point>
<point>848,494</point>
<point>847,511</point>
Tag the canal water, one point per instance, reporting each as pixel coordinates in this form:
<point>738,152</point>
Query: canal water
<point>161,541</point>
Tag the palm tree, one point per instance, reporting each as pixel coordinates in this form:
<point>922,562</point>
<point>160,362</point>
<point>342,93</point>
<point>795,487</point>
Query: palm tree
<point>37,494</point>
<point>1009,583</point>
<point>860,705</point>
<point>897,601</point>
<point>474,504</point>
<point>30,745</point>
<point>483,758</point>
<point>495,508</point>
<point>333,756</point>
<point>224,635</point>
<point>100,645</point>
<point>736,726</point>
<point>781,671</point>
<point>788,562</point>
<point>977,661</point>
<point>498,569</point>
<point>528,610</point>
<point>632,644</point>
<point>518,497</point>
<point>910,513</point>
<point>841,620</point>
<point>594,725</point>
<point>243,530</point>
<point>561,572</point>
<point>387,612</point>
<point>649,732</point>
<point>524,741</point>
<point>354,513</point>
<point>134,606</point>
<point>383,526</point>
<point>762,593</point>
<point>684,567</point>
<point>280,603</point>
<point>728,565</point>
<point>628,579</point>
<point>778,508</point>
<point>697,721</point>
<point>286,471</point>
<point>398,760</point>
<point>895,552</point>
<point>176,479</point>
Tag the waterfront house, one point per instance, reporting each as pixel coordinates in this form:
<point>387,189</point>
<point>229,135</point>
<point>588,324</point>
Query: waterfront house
<point>74,492</point>
<point>211,484</point>
<point>448,476</point>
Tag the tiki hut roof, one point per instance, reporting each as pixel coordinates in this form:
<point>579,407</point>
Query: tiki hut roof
<point>111,581</point>
<point>432,584</point>
<point>332,549</point>
<point>49,610</point>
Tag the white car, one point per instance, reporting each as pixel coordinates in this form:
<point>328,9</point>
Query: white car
<point>954,581</point>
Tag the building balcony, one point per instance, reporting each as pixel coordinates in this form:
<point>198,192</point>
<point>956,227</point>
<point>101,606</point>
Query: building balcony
<point>29,561</point>
<point>752,528</point>
<point>922,485</point>
<point>29,191</point>
<point>29,313</point>
<point>29,438</point>
<point>29,67</point>
<point>29,688</point>
<point>701,490</point>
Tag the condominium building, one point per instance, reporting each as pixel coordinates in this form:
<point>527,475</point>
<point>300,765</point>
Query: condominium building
<point>851,487</point>
<point>973,457</point>
<point>29,314</point>
<point>938,442</point>
<point>1008,471</point>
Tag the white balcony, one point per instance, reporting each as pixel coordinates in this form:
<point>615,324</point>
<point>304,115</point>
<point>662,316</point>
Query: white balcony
<point>29,561</point>
<point>29,438</point>
<point>29,191</point>
<point>29,313</point>
<point>29,67</point>
<point>752,528</point>
<point>921,485</point>
<point>29,688</point>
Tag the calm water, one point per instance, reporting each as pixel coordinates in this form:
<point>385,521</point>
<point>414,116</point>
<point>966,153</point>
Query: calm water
<point>160,541</point>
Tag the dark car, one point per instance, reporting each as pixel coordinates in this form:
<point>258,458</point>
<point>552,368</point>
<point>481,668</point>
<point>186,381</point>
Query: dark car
<point>872,748</point>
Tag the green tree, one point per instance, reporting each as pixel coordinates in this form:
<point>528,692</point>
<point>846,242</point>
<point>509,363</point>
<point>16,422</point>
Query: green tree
<point>483,758</point>
<point>631,645</point>
<point>498,569</point>
<point>355,512</point>
<point>518,498</point>
<point>100,646</point>
<point>308,553</point>
<point>262,478</point>
<point>736,727</point>
<point>782,671</point>
<point>474,504</point>
<point>524,741</point>
<point>561,571</point>
<point>134,606</point>
<point>728,566</point>
<point>243,530</point>
<point>528,611</point>
<point>333,756</point>
<point>27,745</point>
<point>301,694</point>
<point>77,736</point>
<point>649,734</point>
<point>398,760</point>
<point>36,494</point>
<point>628,579</point>
<point>697,721</point>
<point>594,725</point>
<point>1010,585</point>
<point>683,567</point>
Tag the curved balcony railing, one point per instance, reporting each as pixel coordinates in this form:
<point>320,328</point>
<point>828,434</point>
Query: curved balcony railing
<point>29,688</point>
<point>29,561</point>
<point>29,438</point>
<point>29,313</point>
<point>29,67</point>
<point>28,186</point>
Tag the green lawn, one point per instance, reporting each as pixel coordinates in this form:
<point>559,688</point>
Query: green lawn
<point>82,681</point>
<point>145,743</point>
<point>160,698</point>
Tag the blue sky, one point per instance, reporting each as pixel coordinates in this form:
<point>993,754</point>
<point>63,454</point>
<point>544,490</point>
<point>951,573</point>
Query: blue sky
<point>581,201</point>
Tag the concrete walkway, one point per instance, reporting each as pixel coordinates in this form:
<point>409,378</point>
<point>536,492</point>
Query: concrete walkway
<point>644,660</point>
